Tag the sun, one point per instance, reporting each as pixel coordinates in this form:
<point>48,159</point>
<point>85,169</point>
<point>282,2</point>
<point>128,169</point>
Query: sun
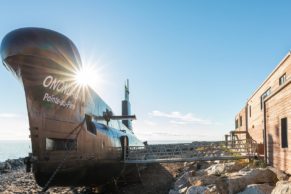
<point>86,76</point>
<point>90,75</point>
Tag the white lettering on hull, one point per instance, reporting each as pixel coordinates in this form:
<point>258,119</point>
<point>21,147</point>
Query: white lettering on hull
<point>62,87</point>
<point>59,86</point>
<point>56,100</point>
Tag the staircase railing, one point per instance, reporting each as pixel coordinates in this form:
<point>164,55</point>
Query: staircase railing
<point>248,143</point>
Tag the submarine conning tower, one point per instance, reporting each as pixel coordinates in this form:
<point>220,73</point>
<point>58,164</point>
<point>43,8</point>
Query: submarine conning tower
<point>126,108</point>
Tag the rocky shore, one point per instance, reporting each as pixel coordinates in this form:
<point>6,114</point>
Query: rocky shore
<point>14,179</point>
<point>239,177</point>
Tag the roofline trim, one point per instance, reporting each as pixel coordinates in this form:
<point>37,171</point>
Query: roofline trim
<point>270,75</point>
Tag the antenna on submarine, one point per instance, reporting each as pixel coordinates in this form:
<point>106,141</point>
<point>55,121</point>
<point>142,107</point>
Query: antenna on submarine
<point>126,107</point>
<point>126,90</point>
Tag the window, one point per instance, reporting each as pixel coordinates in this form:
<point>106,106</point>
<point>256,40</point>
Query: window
<point>282,79</point>
<point>54,144</point>
<point>240,120</point>
<point>90,125</point>
<point>265,95</point>
<point>236,123</point>
<point>284,133</point>
<point>250,110</point>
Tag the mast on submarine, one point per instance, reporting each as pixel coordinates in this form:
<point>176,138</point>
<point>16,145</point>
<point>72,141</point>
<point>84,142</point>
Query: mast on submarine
<point>126,108</point>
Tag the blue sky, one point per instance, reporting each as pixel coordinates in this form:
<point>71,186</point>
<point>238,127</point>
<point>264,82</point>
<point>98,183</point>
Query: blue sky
<point>191,64</point>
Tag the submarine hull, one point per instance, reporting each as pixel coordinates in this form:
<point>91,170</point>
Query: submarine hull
<point>85,151</point>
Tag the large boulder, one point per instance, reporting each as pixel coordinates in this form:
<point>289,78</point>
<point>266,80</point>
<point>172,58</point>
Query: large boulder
<point>2,165</point>
<point>202,165</point>
<point>282,187</point>
<point>237,182</point>
<point>196,166</point>
<point>261,175</point>
<point>183,181</point>
<point>203,180</point>
<point>210,189</point>
<point>222,168</point>
<point>196,190</point>
<point>280,174</point>
<point>258,189</point>
<point>8,166</point>
<point>5,167</point>
<point>188,166</point>
<point>172,191</point>
<point>201,172</point>
<point>13,164</point>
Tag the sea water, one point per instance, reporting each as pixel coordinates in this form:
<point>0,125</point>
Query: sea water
<point>168,141</point>
<point>13,149</point>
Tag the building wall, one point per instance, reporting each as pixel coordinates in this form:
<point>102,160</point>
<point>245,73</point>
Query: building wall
<point>256,119</point>
<point>240,122</point>
<point>278,107</point>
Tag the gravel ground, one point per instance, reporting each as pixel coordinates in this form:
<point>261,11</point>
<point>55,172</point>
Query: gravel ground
<point>155,179</point>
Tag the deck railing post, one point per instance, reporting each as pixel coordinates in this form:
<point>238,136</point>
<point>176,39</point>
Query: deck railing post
<point>232,140</point>
<point>226,140</point>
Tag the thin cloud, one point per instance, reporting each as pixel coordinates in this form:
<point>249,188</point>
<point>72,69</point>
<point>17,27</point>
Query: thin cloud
<point>174,136</point>
<point>178,122</point>
<point>180,118</point>
<point>150,123</point>
<point>9,115</point>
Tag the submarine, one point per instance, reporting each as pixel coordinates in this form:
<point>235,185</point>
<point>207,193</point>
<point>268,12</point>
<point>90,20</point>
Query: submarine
<point>76,139</point>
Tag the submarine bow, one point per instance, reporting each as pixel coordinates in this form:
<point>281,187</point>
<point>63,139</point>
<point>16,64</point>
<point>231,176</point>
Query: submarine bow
<point>20,45</point>
<point>46,62</point>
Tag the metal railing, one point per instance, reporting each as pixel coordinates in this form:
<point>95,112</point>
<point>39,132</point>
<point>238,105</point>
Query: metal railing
<point>207,151</point>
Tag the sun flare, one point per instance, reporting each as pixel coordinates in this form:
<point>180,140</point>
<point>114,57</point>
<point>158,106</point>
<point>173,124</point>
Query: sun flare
<point>85,77</point>
<point>88,76</point>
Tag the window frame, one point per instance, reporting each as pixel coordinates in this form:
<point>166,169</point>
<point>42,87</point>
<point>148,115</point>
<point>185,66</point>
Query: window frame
<point>265,95</point>
<point>284,142</point>
<point>61,144</point>
<point>282,79</point>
